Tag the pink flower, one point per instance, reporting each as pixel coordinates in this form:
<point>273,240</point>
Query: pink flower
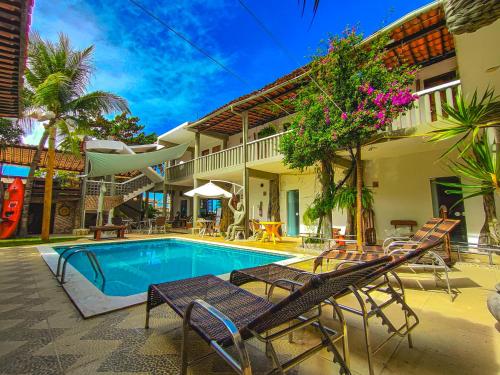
<point>343,116</point>
<point>370,90</point>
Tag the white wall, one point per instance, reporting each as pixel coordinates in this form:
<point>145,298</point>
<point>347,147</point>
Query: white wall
<point>477,53</point>
<point>258,194</point>
<point>404,191</point>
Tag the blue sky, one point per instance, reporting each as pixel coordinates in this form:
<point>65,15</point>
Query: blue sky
<point>165,80</point>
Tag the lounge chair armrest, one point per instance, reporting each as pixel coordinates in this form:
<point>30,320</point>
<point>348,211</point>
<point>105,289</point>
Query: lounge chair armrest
<point>231,328</point>
<point>346,263</point>
<point>389,248</point>
<point>282,281</point>
<point>388,240</point>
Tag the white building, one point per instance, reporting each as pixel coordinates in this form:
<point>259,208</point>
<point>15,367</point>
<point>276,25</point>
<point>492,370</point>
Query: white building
<point>401,172</point>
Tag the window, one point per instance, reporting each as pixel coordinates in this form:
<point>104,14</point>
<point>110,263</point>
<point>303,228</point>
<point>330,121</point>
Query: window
<point>205,152</point>
<point>215,149</point>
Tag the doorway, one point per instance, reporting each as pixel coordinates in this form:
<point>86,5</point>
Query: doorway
<point>35,216</point>
<point>293,218</point>
<point>456,208</point>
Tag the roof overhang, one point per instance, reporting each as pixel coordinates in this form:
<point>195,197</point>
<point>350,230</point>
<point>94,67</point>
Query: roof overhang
<point>15,18</point>
<point>419,38</point>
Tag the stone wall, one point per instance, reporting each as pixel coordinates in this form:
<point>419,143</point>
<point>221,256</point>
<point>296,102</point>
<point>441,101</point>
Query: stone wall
<point>64,217</point>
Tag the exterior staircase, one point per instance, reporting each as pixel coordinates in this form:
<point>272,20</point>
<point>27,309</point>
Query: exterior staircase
<point>116,193</point>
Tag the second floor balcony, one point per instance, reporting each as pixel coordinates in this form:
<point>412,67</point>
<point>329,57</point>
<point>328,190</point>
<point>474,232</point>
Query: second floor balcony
<point>428,110</point>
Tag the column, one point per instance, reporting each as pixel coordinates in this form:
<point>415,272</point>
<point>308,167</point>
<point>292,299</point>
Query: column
<point>164,212</point>
<point>84,194</point>
<point>196,199</point>
<point>246,196</point>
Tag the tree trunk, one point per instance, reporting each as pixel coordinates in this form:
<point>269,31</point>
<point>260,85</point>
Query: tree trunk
<point>359,192</point>
<point>28,190</point>
<point>350,228</point>
<point>490,214</point>
<point>274,201</point>
<point>49,179</point>
<point>327,180</point>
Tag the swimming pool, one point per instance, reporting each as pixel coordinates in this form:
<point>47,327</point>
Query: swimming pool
<point>130,267</point>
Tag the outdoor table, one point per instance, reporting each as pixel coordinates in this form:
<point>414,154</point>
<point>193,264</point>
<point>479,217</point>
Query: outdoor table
<point>207,226</point>
<point>271,230</point>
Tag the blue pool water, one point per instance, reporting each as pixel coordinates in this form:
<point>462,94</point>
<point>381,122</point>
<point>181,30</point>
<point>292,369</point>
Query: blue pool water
<point>130,267</point>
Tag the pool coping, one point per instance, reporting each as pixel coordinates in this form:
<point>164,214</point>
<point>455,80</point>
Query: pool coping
<point>90,301</point>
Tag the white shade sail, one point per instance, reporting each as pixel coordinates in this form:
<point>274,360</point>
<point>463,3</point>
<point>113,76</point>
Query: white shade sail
<point>102,164</point>
<point>209,190</point>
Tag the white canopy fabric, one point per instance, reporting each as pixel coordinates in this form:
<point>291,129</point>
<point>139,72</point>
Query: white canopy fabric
<point>209,190</point>
<point>102,164</point>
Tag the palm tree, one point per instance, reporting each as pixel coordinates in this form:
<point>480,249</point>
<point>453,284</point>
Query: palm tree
<point>56,81</point>
<point>469,121</point>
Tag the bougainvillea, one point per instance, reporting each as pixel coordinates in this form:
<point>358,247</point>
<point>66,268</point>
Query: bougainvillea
<point>349,97</point>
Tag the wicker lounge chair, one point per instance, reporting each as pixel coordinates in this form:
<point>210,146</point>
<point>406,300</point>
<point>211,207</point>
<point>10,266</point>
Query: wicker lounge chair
<point>349,253</point>
<point>225,315</point>
<point>378,282</point>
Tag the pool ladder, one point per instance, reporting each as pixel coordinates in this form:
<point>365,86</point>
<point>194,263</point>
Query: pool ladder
<point>72,250</point>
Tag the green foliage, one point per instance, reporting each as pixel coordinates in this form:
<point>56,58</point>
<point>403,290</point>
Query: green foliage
<point>351,95</point>
<point>10,133</point>
<point>66,179</point>
<point>121,128</point>
<point>466,120</point>
<point>345,198</point>
<point>266,132</point>
<point>56,79</point>
<point>480,167</point>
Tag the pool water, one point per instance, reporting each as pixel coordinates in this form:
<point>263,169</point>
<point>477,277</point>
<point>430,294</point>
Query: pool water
<point>130,267</point>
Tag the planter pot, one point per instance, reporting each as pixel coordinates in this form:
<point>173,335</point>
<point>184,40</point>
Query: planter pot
<point>494,303</point>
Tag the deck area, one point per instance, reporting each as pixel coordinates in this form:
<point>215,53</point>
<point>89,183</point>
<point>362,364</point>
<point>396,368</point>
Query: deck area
<point>41,332</point>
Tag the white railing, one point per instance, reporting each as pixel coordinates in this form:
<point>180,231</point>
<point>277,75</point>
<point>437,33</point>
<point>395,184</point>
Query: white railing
<point>222,159</point>
<point>264,148</point>
<point>429,106</point>
<point>176,172</point>
<point>428,109</point>
<point>115,188</point>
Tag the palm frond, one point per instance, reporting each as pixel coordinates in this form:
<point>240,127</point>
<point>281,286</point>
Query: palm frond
<point>48,93</point>
<point>467,119</point>
<point>98,102</point>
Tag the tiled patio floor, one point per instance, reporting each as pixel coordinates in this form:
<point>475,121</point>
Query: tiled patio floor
<point>42,333</point>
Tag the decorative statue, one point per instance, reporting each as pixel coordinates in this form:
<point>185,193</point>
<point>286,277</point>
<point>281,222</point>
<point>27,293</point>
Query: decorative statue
<point>239,219</point>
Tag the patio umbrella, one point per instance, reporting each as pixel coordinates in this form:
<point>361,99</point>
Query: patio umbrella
<point>209,190</point>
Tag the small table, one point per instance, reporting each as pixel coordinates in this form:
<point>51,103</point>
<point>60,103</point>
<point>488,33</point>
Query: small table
<point>271,230</point>
<point>206,226</point>
<point>120,231</point>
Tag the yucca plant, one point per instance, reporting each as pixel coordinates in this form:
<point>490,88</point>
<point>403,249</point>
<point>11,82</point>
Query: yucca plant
<point>466,120</point>
<point>480,168</point>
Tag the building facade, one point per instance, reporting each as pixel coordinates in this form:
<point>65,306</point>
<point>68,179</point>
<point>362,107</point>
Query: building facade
<point>401,170</point>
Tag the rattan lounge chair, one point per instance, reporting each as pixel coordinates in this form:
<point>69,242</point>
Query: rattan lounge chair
<point>349,253</point>
<point>379,282</point>
<point>226,315</point>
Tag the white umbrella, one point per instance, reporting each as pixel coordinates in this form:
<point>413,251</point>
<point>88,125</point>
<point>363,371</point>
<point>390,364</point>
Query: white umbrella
<point>209,190</point>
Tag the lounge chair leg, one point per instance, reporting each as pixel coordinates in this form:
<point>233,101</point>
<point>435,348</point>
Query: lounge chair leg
<point>184,351</point>
<point>146,326</point>
<point>366,329</point>
<point>344,369</point>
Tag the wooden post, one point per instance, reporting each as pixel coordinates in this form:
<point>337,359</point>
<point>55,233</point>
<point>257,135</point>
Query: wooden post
<point>246,196</point>
<point>164,212</point>
<point>84,193</point>
<point>196,199</point>
<point>359,202</point>
<point>49,179</point>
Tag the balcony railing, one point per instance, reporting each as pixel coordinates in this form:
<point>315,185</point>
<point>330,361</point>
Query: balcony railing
<point>180,171</point>
<point>118,188</point>
<point>428,109</point>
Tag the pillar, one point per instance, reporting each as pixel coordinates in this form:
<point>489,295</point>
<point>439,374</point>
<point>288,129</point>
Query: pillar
<point>111,211</point>
<point>165,189</point>
<point>84,193</point>
<point>196,199</point>
<point>246,196</point>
